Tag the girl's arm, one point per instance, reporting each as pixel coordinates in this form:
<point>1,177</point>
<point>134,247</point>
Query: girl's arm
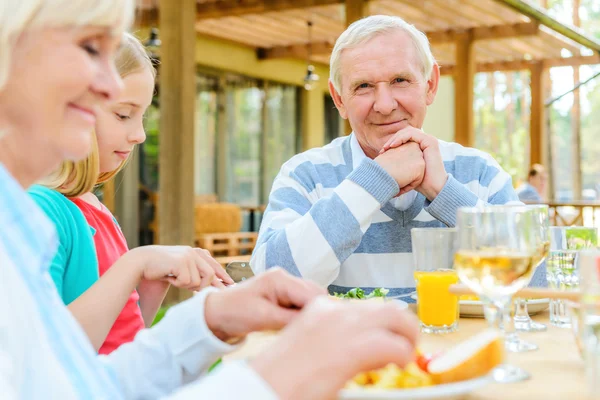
<point>152,293</point>
<point>98,307</point>
<point>182,266</point>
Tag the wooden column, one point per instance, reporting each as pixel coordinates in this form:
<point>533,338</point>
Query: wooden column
<point>127,200</point>
<point>464,80</point>
<point>313,118</point>
<point>576,121</point>
<point>177,105</point>
<point>108,195</point>
<point>355,10</point>
<point>537,120</point>
<point>176,141</point>
<point>222,140</point>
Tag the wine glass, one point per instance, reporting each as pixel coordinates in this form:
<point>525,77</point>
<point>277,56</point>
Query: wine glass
<point>522,320</point>
<point>497,249</point>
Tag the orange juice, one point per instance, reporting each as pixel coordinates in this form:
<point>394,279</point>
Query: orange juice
<point>436,307</point>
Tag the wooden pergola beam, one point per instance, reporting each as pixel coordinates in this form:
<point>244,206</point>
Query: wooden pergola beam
<point>236,8</point>
<point>547,63</point>
<point>486,32</point>
<point>294,51</point>
<point>437,37</point>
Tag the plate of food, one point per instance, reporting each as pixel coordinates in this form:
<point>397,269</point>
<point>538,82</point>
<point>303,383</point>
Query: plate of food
<point>448,375</point>
<point>378,294</point>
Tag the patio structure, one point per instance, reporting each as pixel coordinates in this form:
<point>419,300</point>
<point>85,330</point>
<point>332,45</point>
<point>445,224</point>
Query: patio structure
<point>268,40</point>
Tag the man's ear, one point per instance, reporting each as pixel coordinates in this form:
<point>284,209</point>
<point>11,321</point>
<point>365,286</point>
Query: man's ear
<point>337,99</point>
<point>432,84</point>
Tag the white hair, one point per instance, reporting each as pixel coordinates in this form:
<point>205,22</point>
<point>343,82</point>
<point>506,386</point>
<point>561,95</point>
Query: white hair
<point>367,28</point>
<point>18,16</point>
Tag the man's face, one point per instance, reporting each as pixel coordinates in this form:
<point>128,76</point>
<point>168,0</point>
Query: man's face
<point>383,89</point>
<point>539,182</point>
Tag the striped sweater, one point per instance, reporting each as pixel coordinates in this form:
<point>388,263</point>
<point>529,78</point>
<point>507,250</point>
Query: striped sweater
<point>332,217</point>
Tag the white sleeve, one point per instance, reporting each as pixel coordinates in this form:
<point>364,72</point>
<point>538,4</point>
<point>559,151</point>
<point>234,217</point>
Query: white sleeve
<point>163,358</point>
<point>231,381</point>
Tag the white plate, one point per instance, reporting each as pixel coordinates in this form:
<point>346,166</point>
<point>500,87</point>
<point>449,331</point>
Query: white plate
<point>474,308</point>
<point>449,391</point>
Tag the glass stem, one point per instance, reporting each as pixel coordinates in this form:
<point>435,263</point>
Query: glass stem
<point>521,313</point>
<point>491,314</point>
<point>510,334</point>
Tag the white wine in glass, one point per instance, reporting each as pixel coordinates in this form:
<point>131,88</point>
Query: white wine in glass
<point>494,272</point>
<point>497,253</point>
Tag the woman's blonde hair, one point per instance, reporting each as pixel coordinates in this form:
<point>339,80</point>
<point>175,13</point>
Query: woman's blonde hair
<point>19,16</point>
<point>74,178</point>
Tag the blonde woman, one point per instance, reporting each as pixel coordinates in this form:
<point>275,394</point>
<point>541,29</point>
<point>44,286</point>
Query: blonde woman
<point>110,309</point>
<point>56,72</point>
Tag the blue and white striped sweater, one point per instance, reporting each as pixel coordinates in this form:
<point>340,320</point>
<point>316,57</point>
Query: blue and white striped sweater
<point>332,217</point>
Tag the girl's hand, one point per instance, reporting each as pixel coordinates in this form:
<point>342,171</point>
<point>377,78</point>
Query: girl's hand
<point>181,266</point>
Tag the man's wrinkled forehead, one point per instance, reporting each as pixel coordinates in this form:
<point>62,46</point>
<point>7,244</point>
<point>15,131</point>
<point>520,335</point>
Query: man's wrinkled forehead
<point>388,53</point>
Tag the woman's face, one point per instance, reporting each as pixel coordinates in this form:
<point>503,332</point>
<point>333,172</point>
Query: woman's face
<point>120,124</point>
<point>59,79</point>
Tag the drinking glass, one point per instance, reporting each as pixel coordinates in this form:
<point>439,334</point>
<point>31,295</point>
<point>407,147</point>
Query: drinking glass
<point>586,321</point>
<point>497,249</point>
<point>433,251</point>
<point>522,320</point>
<point>562,265</point>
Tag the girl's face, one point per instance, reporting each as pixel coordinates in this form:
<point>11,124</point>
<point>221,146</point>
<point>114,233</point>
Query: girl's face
<point>119,125</point>
<point>59,80</point>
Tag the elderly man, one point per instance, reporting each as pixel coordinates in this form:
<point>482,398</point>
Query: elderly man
<point>341,215</point>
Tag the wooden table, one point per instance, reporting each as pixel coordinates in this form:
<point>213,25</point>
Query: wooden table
<point>556,368</point>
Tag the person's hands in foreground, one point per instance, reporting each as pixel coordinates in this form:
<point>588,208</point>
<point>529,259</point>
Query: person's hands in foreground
<point>268,301</point>
<point>333,340</point>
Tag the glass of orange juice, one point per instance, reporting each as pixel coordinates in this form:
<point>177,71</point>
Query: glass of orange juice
<point>433,252</point>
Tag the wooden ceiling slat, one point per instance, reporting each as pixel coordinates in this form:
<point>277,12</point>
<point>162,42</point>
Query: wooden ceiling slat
<point>236,7</point>
<point>505,14</point>
<point>291,30</point>
<point>414,14</point>
<point>233,31</point>
<point>476,16</point>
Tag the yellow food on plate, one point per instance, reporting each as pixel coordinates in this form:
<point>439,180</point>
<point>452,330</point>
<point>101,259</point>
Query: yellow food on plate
<point>473,358</point>
<point>392,377</point>
<point>469,297</point>
<point>470,359</point>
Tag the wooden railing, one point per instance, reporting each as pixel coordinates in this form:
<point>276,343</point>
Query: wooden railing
<point>581,213</point>
<point>228,247</point>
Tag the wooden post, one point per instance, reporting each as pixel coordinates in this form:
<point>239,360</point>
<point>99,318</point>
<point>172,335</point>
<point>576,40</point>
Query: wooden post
<point>177,106</point>
<point>313,118</point>
<point>464,80</point>
<point>108,195</point>
<point>222,142</point>
<point>355,10</point>
<point>127,200</point>
<point>537,120</point>
<point>576,121</point>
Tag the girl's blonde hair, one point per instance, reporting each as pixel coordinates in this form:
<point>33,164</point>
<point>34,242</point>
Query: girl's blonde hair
<point>74,178</point>
<point>19,16</point>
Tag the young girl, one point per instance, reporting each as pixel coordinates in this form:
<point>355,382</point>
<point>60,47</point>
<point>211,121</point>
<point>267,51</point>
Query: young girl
<point>92,245</point>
